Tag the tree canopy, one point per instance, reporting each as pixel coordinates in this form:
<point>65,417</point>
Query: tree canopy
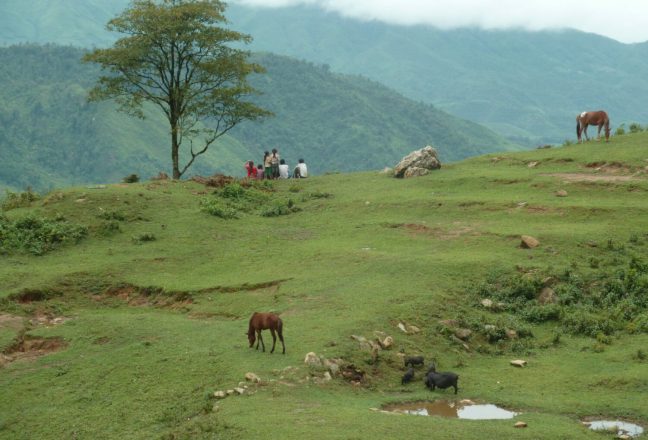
<point>176,54</point>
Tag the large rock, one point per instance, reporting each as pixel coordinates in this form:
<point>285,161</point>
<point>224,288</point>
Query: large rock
<point>418,163</point>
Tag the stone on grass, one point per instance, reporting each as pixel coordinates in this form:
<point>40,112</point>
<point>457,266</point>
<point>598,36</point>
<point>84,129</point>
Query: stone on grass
<point>561,193</point>
<point>547,296</point>
<point>520,425</point>
<point>220,394</point>
<point>529,242</point>
<point>463,333</point>
<point>418,163</point>
<point>487,303</point>
<point>312,360</point>
<point>251,377</point>
<point>518,363</point>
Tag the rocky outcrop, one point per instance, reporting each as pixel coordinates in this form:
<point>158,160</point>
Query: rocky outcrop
<point>418,163</point>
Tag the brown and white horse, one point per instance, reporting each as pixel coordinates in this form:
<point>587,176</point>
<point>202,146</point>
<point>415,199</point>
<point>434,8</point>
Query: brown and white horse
<point>599,118</point>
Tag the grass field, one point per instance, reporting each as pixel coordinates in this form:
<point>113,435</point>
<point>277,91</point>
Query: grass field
<point>129,332</point>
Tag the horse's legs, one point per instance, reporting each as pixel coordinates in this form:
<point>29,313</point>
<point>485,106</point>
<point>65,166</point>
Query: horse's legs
<point>274,339</point>
<point>598,136</point>
<point>260,340</point>
<point>281,339</point>
<point>585,131</point>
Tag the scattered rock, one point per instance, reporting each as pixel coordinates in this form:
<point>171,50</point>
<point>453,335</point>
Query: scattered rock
<point>519,363</point>
<point>413,329</point>
<point>401,326</point>
<point>312,360</point>
<point>520,425</point>
<point>511,334</point>
<point>463,333</point>
<point>220,394</point>
<point>489,327</point>
<point>360,339</point>
<point>561,193</point>
<point>449,322</point>
<point>251,377</point>
<point>230,392</point>
<point>529,242</point>
<point>487,303</point>
<point>216,407</point>
<point>239,391</point>
<point>387,343</point>
<point>466,402</point>
<point>547,296</point>
<point>417,163</point>
<point>533,164</point>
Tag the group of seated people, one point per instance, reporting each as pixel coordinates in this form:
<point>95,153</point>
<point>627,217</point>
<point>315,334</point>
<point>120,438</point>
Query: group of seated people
<point>257,172</point>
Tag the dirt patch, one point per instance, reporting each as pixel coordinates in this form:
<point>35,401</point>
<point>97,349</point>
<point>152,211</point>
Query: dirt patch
<point>147,296</point>
<point>245,287</point>
<point>31,347</point>
<point>214,315</point>
<point>27,296</point>
<point>583,177</point>
<point>12,322</point>
<point>215,181</point>
<point>417,229</point>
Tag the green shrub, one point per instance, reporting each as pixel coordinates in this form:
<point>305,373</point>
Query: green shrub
<point>635,128</point>
<point>37,235</point>
<point>144,237</point>
<point>538,314</point>
<point>620,131</point>
<point>112,215</point>
<point>280,207</point>
<point>218,208</point>
<point>131,178</point>
<point>14,200</point>
<point>582,322</point>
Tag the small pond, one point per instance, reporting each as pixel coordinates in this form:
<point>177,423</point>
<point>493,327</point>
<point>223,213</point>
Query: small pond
<point>464,409</point>
<point>618,426</point>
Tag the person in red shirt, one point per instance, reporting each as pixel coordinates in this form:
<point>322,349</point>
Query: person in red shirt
<point>251,170</point>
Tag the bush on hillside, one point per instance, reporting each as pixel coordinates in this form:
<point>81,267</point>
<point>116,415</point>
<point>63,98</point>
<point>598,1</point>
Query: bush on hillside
<point>635,128</point>
<point>37,236</point>
<point>620,131</point>
<point>14,200</point>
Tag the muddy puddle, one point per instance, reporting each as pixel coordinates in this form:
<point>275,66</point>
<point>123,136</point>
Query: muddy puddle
<point>617,426</point>
<point>464,409</point>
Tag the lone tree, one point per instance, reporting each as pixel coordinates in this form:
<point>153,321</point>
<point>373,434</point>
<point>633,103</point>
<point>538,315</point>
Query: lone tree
<point>175,56</point>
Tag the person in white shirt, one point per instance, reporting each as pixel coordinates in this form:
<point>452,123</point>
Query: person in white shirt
<point>301,171</point>
<point>283,170</point>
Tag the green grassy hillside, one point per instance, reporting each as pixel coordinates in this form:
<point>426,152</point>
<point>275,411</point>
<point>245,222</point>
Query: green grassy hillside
<point>134,312</point>
<point>51,136</point>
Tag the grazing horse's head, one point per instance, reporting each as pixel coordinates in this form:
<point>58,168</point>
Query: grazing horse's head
<point>251,337</point>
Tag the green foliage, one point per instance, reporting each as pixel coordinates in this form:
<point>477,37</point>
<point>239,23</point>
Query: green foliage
<point>635,128</point>
<point>218,208</point>
<point>183,40</point>
<point>590,305</point>
<point>280,207</point>
<point>14,200</point>
<point>131,178</point>
<point>620,131</point>
<point>144,238</point>
<point>36,235</point>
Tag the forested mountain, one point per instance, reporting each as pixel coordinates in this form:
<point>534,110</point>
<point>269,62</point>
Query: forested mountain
<point>51,136</point>
<point>527,86</point>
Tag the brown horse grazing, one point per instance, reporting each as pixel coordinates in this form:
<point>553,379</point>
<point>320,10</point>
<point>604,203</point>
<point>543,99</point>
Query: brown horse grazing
<point>265,321</point>
<point>599,118</point>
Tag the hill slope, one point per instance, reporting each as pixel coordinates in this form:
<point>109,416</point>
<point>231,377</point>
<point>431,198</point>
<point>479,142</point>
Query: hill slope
<point>527,86</point>
<point>133,329</point>
<point>51,136</point>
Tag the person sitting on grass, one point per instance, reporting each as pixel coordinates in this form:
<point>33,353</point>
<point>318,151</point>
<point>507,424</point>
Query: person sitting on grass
<point>259,172</point>
<point>301,171</point>
<point>283,170</point>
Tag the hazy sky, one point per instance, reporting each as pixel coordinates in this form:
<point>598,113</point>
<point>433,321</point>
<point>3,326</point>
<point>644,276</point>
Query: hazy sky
<point>623,20</point>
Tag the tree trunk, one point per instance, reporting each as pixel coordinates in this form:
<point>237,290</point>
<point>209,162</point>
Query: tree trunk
<point>174,152</point>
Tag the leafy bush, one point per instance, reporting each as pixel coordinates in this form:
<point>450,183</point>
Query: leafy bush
<point>144,237</point>
<point>635,128</point>
<point>36,235</point>
<point>218,208</point>
<point>280,207</point>
<point>131,178</point>
<point>620,131</point>
<point>14,200</point>
<point>582,322</point>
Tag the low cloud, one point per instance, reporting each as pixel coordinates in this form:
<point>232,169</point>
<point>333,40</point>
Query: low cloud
<point>622,20</point>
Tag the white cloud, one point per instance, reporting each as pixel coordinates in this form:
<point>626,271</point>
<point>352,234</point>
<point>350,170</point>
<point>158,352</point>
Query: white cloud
<point>623,20</point>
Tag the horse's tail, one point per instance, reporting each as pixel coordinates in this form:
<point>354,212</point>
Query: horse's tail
<point>578,127</point>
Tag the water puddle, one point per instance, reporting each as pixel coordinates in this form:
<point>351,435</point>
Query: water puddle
<point>618,426</point>
<point>464,409</point>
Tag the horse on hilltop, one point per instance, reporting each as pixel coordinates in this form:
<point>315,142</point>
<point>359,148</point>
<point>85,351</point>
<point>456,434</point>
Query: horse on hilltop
<point>598,118</point>
<point>265,321</point>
